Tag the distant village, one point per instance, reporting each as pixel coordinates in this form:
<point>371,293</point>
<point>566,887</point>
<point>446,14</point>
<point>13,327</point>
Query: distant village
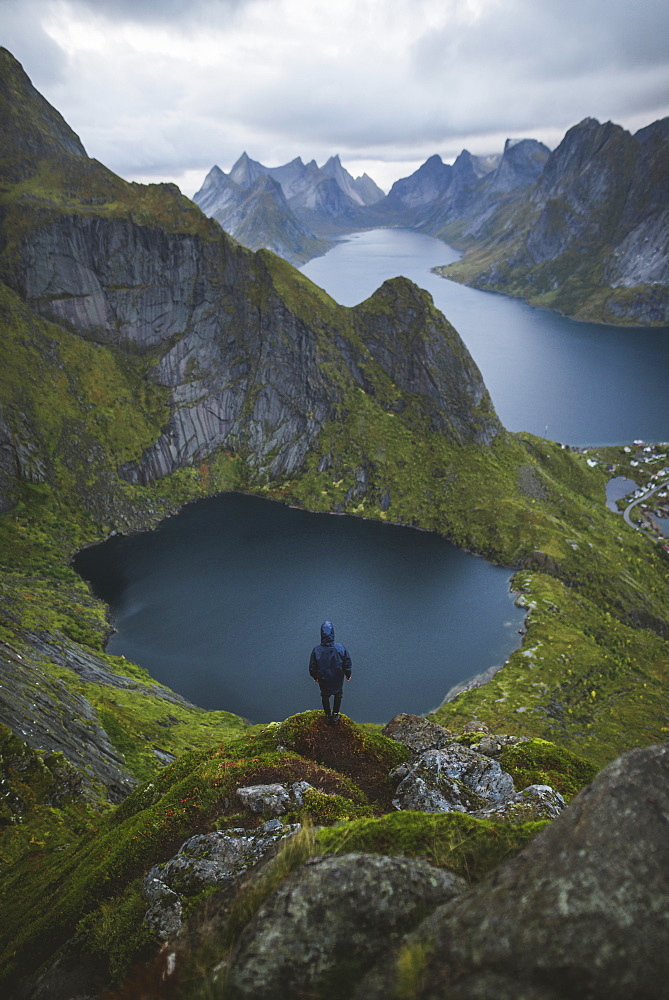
<point>649,517</point>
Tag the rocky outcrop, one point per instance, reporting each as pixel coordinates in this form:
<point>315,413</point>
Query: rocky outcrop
<point>204,861</point>
<point>424,356</point>
<point>580,912</point>
<point>275,799</point>
<point>332,918</point>
<point>417,733</point>
<point>533,803</point>
<point>453,779</point>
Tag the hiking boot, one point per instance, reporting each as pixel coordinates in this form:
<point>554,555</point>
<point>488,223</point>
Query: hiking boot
<point>335,718</point>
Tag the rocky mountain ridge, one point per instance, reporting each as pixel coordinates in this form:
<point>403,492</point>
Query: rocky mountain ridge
<point>581,229</point>
<point>306,199</point>
<point>589,237</point>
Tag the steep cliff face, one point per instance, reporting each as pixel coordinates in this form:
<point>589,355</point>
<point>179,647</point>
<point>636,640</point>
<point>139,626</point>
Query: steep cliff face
<point>591,237</point>
<point>246,370</point>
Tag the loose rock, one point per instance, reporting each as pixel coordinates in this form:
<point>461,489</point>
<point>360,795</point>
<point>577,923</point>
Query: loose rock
<point>534,802</point>
<point>275,799</point>
<point>417,733</point>
<point>212,859</point>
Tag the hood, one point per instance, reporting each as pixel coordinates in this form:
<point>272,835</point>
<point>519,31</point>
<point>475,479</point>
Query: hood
<point>327,634</point>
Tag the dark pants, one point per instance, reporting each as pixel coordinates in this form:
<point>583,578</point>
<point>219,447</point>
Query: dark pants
<point>325,699</point>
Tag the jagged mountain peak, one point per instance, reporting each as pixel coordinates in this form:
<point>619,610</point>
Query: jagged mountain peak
<point>424,186</point>
<point>246,170</point>
<point>521,164</point>
<point>30,128</point>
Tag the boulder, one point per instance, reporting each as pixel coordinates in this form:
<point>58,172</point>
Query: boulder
<point>534,802</point>
<point>581,912</point>
<point>455,778</point>
<point>329,920</point>
<point>274,799</point>
<point>416,733</point>
<point>211,859</point>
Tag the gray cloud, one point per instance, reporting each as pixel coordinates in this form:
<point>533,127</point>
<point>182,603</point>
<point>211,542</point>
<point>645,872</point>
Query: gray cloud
<point>149,12</point>
<point>174,86</point>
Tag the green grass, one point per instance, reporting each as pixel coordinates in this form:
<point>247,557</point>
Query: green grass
<point>468,846</point>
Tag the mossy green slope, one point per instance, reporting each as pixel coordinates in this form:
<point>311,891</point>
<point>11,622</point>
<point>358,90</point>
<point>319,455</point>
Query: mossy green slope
<point>88,891</point>
<point>102,859</point>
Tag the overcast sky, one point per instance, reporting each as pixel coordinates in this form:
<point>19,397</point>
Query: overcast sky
<point>163,89</point>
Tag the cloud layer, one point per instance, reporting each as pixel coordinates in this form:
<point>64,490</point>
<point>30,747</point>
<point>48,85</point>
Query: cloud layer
<point>163,90</point>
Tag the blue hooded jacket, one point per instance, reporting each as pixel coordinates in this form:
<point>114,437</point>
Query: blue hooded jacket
<point>329,662</point>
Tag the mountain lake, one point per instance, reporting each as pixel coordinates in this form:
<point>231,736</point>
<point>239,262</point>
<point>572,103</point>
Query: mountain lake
<point>223,601</point>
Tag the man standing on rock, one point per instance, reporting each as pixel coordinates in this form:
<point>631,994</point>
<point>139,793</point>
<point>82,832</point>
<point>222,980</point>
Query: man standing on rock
<point>328,665</point>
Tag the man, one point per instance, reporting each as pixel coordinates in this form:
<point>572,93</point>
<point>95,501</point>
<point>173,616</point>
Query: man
<point>328,665</point>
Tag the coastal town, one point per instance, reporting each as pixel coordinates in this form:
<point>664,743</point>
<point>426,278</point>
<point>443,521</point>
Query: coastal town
<point>638,486</point>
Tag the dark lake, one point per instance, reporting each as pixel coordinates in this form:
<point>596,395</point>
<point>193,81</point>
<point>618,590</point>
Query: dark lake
<point>223,602</point>
<point>578,383</point>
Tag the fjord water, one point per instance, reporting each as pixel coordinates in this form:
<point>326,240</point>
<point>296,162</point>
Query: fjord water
<point>577,383</point>
<point>223,602</point>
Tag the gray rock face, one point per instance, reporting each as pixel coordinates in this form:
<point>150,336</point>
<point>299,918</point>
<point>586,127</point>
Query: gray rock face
<point>581,912</point>
<point>421,352</point>
<point>334,914</point>
<point>165,909</point>
<point>212,859</point>
<point>43,712</point>
<point>275,799</point>
<point>455,778</point>
<point>242,376</point>
<point>416,733</point>
<point>534,802</point>
<point>117,282</point>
